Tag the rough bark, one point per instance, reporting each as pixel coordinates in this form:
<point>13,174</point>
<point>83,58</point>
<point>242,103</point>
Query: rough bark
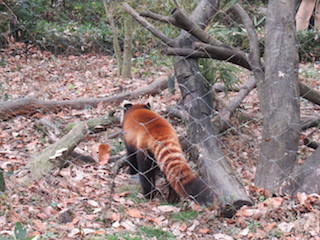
<point>52,131</point>
<point>56,154</point>
<point>202,50</point>
<point>115,36</point>
<point>127,49</point>
<point>2,182</point>
<point>279,98</point>
<point>23,106</point>
<point>198,99</point>
<point>305,177</point>
<point>227,112</point>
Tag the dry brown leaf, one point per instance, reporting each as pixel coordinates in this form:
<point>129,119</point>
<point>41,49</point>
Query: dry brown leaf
<point>204,230</point>
<point>183,227</point>
<point>156,220</point>
<point>15,217</point>
<point>269,227</point>
<point>104,153</point>
<point>115,217</point>
<point>133,212</point>
<point>220,236</point>
<point>99,232</point>
<point>40,225</point>
<point>275,202</point>
<point>168,208</point>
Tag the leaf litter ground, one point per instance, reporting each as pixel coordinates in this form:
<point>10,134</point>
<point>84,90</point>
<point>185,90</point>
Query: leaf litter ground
<point>80,201</point>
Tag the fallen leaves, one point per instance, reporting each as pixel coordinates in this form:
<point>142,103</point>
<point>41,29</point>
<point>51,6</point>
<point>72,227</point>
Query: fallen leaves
<point>104,153</point>
<point>135,213</point>
<point>76,202</point>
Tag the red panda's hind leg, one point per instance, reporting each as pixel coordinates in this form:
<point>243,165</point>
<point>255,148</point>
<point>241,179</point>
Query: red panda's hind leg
<point>173,197</point>
<point>132,160</point>
<point>147,173</point>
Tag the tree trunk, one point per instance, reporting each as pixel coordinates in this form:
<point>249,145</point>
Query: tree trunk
<point>2,182</point>
<point>304,14</point>
<point>279,98</point>
<point>109,8</point>
<point>305,177</point>
<point>198,100</point>
<point>127,49</point>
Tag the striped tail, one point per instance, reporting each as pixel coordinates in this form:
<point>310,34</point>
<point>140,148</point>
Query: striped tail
<point>172,163</point>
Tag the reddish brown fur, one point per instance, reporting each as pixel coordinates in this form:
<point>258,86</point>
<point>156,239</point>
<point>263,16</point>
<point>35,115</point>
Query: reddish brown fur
<point>146,130</point>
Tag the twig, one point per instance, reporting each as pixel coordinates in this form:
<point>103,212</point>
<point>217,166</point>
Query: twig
<point>254,56</point>
<point>168,41</point>
<point>228,111</point>
<point>309,123</point>
<point>224,53</point>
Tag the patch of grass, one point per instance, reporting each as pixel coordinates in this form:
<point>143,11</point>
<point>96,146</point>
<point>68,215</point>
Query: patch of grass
<point>152,232</point>
<point>123,237</point>
<point>117,146</point>
<point>309,71</point>
<point>144,233</point>
<point>184,216</point>
<point>134,190</point>
<point>253,225</point>
<point>20,233</point>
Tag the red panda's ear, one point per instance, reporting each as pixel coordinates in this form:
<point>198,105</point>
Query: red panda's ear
<point>127,106</point>
<point>148,106</point>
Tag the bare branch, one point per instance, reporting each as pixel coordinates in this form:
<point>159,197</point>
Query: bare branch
<point>254,56</point>
<point>184,22</point>
<point>224,53</point>
<point>52,132</point>
<point>220,87</point>
<point>309,123</point>
<point>159,17</point>
<point>311,144</point>
<point>168,41</point>
<point>228,111</point>
<point>309,93</point>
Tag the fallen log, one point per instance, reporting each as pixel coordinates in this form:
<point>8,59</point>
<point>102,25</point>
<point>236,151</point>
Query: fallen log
<point>56,154</point>
<point>10,109</point>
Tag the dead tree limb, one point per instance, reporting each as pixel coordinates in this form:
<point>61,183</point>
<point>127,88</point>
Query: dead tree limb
<point>228,111</point>
<point>195,29</point>
<point>24,106</point>
<point>54,155</point>
<point>181,20</point>
<point>158,34</point>
<point>52,131</point>
<point>254,58</point>
<point>309,93</point>
<point>223,53</point>
<point>309,123</point>
<point>305,177</point>
<point>221,87</point>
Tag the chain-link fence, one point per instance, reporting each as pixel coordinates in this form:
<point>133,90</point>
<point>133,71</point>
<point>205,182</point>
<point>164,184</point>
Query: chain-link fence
<point>62,145</point>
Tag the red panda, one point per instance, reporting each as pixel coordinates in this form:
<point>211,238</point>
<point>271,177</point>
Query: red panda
<point>152,144</point>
